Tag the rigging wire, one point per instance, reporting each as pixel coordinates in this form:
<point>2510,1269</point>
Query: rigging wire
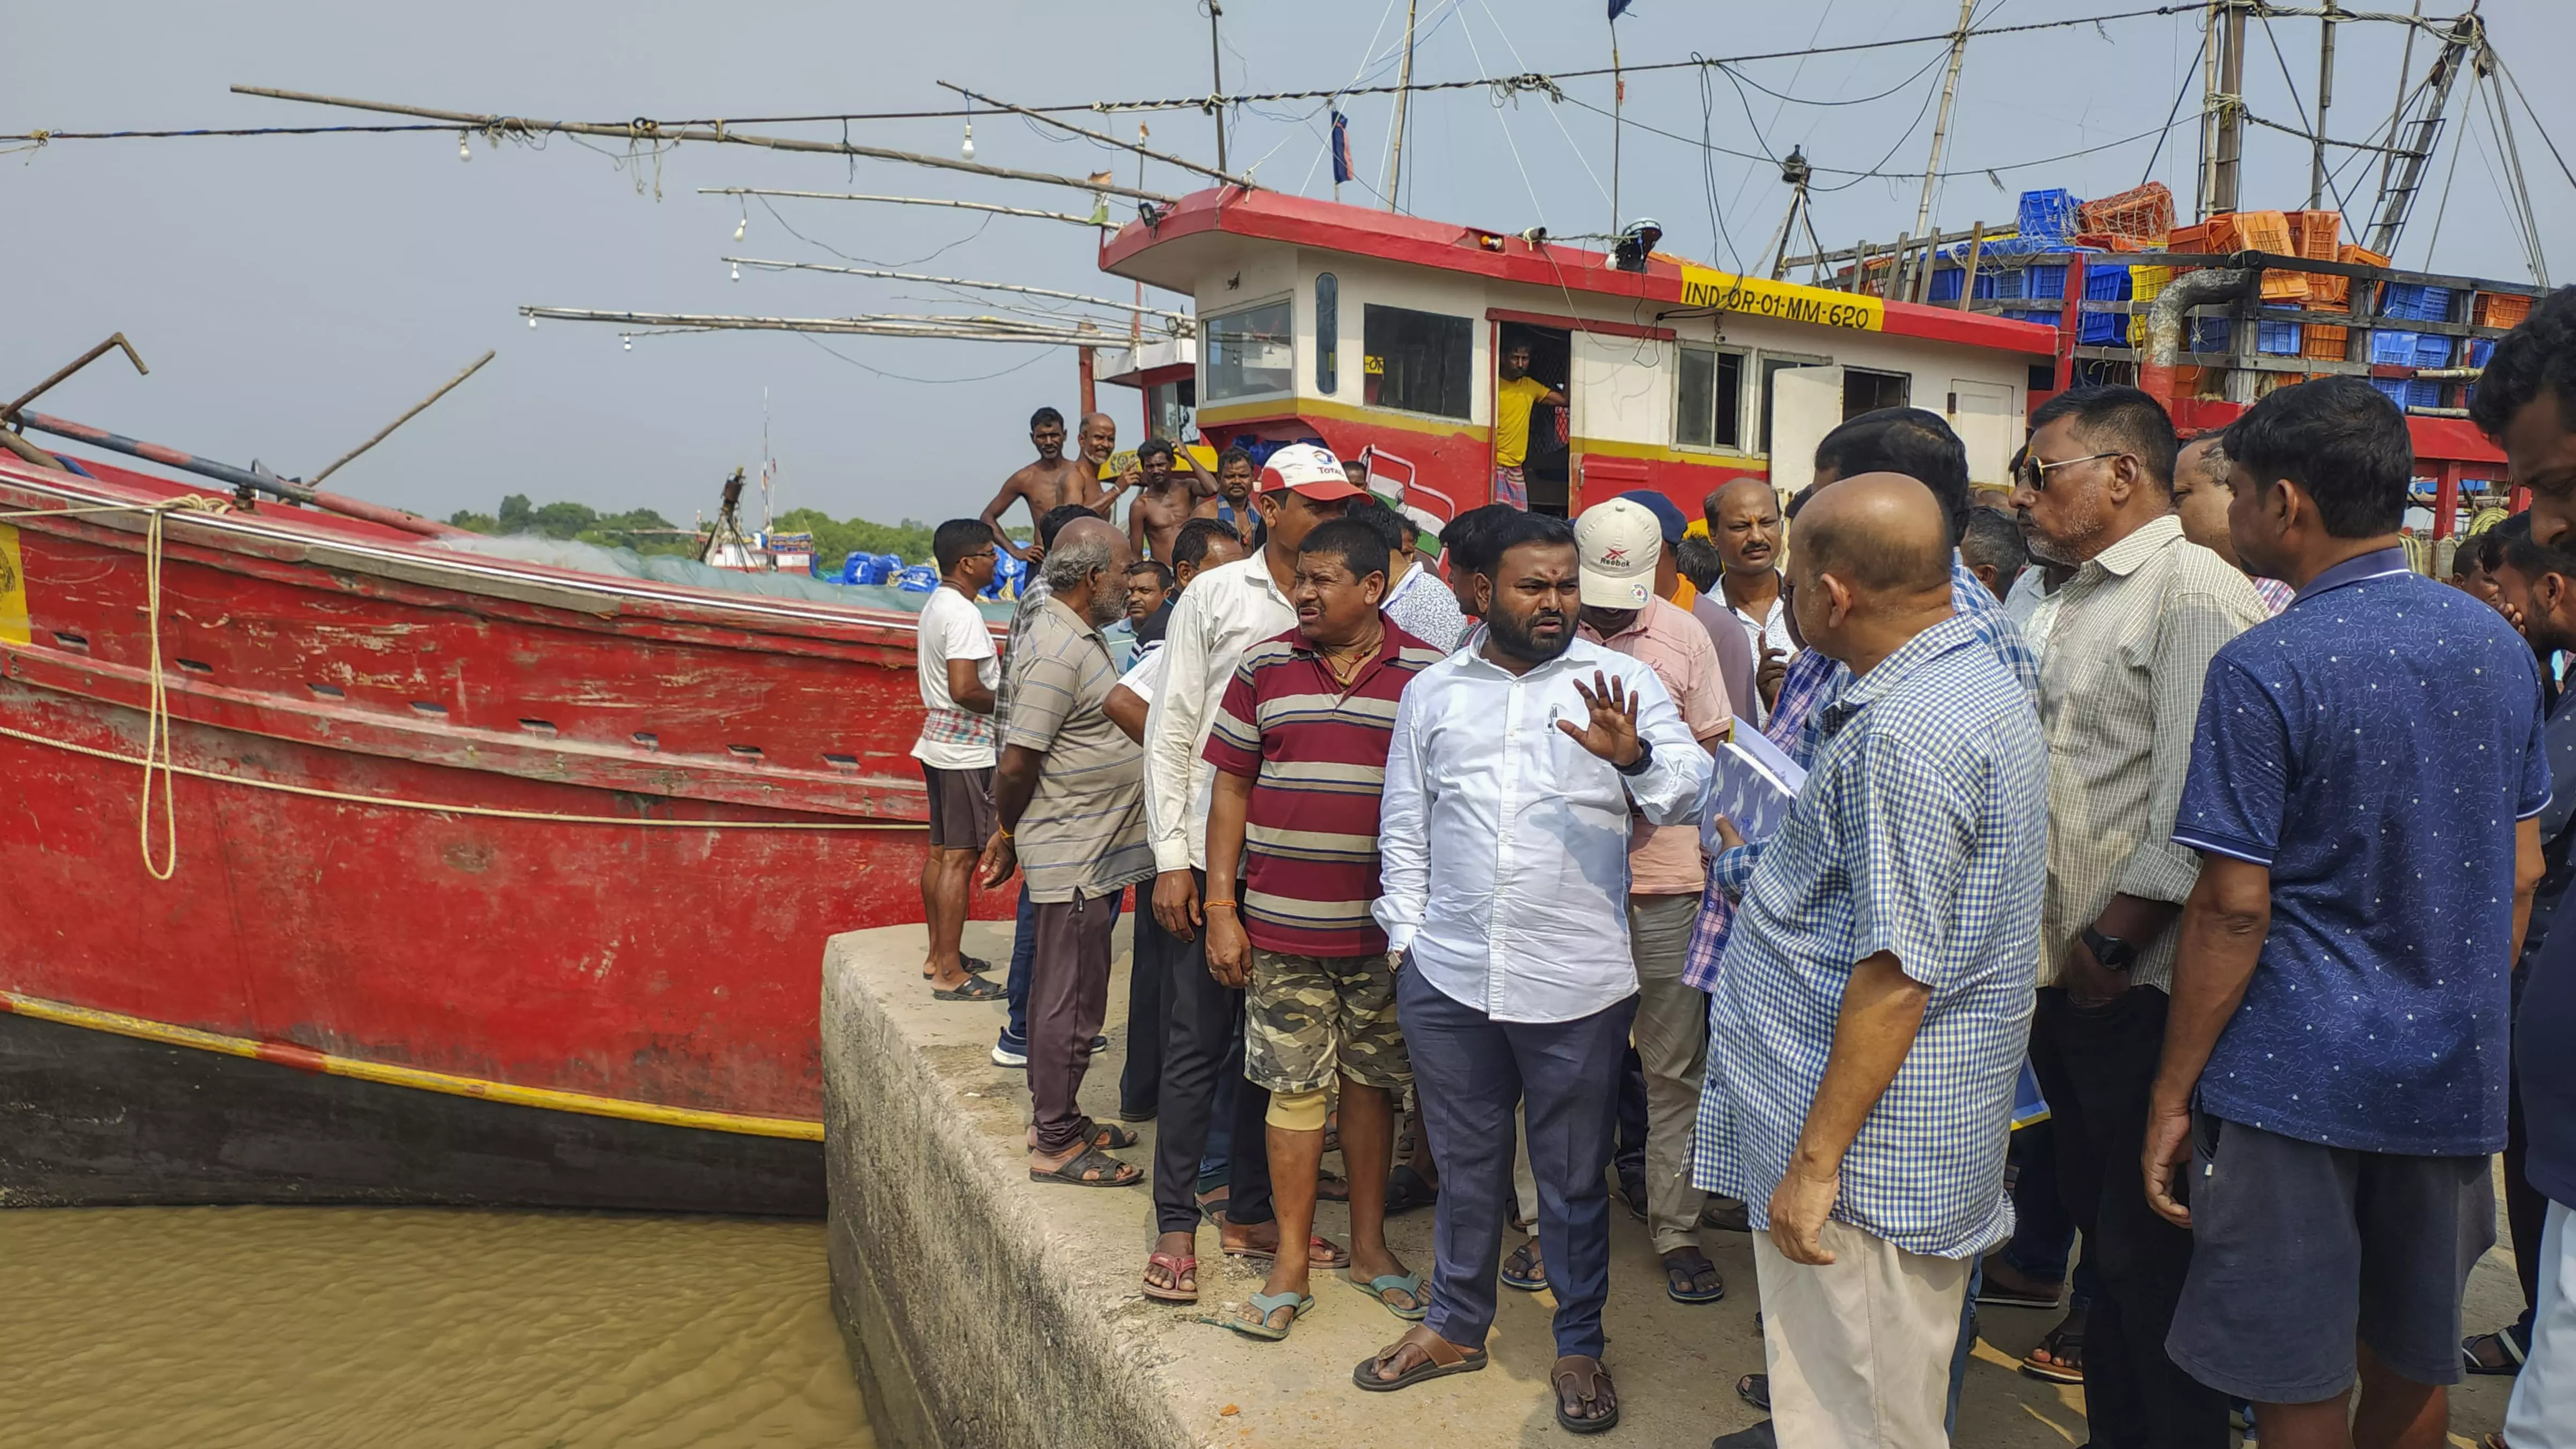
<point>1537,207</point>
<point>872,261</point>
<point>901,377</point>
<point>2343,203</point>
<point>2457,144</point>
<point>2175,114</point>
<point>1553,114</point>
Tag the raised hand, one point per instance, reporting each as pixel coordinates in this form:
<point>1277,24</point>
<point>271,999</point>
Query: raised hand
<point>1611,732</point>
<point>1768,676</point>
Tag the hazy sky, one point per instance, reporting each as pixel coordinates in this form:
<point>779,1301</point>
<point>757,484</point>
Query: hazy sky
<point>292,294</point>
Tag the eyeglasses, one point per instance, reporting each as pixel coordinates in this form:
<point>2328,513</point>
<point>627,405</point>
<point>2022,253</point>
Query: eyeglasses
<point>2034,473</point>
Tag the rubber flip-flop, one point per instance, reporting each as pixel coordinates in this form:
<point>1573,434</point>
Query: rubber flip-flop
<point>1462,1361</point>
<point>1336,1257</point>
<point>1179,1265</point>
<point>1409,1284</point>
<point>1531,1274</point>
<point>1265,1304</point>
<point>1681,1282</point>
<point>1589,1368</point>
<point>1755,1389</point>
<point>976,988</point>
<point>2513,1353</point>
<point>1407,1189</point>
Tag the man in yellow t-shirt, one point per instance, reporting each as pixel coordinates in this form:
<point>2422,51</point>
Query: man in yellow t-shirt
<point>1514,396</point>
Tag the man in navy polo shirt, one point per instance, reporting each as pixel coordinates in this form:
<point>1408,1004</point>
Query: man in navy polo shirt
<point>2363,784</point>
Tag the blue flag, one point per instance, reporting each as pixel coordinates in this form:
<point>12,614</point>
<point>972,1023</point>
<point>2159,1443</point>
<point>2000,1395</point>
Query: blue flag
<point>1619,8</point>
<point>1341,148</point>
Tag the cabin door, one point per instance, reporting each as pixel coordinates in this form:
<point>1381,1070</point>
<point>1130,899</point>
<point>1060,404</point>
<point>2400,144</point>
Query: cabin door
<point>1806,404</point>
<point>1547,465</point>
<point>1981,413</point>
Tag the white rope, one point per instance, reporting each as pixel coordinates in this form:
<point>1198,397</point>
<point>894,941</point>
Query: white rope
<point>156,757</point>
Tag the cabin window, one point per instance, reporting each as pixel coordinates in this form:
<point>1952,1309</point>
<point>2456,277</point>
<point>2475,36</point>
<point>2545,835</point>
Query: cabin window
<point>1418,362</point>
<point>1249,353</point>
<point>1328,333</point>
<point>1710,413</point>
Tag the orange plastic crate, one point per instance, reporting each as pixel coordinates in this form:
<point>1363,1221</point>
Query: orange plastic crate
<point>2188,239</point>
<point>2500,309</point>
<point>2320,234</point>
<point>2141,213</point>
<point>2322,340</point>
<point>2354,256</point>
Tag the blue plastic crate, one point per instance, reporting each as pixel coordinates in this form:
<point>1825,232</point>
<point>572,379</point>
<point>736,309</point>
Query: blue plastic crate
<point>2276,339</point>
<point>2047,215</point>
<point>2416,302</point>
<point>2104,329</point>
<point>2044,316</point>
<point>2410,349</point>
<point>2480,349</point>
<point>2047,279</point>
<point>2409,392</point>
<point>2107,284</point>
<point>2211,334</point>
<point>918,579</point>
<point>1945,284</point>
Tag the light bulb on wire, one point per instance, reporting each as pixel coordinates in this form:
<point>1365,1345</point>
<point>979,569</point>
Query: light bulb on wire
<point>532,321</point>
<point>464,146</point>
<point>968,150</point>
<point>628,338</point>
<point>737,271</point>
<point>739,226</point>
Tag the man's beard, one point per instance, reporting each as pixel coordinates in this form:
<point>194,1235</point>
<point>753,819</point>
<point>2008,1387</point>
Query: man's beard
<point>1107,609</point>
<point>1525,644</point>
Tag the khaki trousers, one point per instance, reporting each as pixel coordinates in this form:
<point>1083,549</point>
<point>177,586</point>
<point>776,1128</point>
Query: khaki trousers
<point>1672,1043</point>
<point>1859,1349</point>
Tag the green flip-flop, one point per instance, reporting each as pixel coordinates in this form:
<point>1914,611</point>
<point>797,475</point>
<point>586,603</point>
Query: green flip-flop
<point>1265,1304</point>
<point>1384,1283</point>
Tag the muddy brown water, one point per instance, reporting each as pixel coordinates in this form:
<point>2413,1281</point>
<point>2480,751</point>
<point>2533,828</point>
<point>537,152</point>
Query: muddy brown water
<point>220,1327</point>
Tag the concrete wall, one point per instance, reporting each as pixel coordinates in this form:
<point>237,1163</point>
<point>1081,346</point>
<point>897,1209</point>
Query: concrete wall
<point>967,1316</point>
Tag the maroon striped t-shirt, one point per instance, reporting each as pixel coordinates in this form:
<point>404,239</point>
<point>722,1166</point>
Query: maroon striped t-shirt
<point>1317,759</point>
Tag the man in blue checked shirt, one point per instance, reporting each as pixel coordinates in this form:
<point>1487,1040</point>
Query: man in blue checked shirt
<point>1868,1028</point>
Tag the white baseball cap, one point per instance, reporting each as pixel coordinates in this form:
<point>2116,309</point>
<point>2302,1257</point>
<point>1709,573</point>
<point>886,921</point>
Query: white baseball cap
<point>1308,469</point>
<point>1620,542</point>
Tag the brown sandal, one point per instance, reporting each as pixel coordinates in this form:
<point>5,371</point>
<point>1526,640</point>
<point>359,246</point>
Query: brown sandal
<point>1091,1167</point>
<point>1179,1266</point>
<point>1430,1355</point>
<point>1582,1383</point>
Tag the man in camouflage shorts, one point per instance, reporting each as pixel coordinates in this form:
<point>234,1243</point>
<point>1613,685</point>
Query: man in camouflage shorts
<point>1299,747</point>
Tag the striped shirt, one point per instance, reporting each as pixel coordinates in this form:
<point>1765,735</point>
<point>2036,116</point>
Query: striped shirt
<point>1922,832</point>
<point>2119,692</point>
<point>1317,756</point>
<point>1084,829</point>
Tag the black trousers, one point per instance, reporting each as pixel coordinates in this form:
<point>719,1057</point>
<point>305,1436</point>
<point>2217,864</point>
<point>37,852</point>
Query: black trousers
<point>1200,1020</point>
<point>1140,1085</point>
<point>2097,1067</point>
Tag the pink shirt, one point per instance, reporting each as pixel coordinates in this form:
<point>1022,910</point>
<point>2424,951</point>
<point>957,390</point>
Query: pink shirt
<point>1665,860</point>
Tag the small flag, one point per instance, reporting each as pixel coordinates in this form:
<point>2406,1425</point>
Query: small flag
<point>1619,8</point>
<point>1341,148</point>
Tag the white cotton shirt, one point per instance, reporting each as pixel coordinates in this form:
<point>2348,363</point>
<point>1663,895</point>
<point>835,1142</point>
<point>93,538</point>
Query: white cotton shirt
<point>1223,612</point>
<point>1504,843</point>
<point>951,627</point>
<point>1145,677</point>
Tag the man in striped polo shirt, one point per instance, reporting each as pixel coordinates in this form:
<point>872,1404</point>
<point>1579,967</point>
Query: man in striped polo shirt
<point>1299,747</point>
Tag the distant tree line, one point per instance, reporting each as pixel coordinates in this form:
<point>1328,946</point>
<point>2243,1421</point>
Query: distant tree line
<point>646,531</point>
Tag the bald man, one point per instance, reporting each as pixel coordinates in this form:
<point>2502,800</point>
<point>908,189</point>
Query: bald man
<point>1055,480</point>
<point>1867,1032</point>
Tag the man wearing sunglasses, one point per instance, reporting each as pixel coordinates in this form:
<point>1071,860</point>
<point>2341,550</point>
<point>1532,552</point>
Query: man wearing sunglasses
<point>2120,684</point>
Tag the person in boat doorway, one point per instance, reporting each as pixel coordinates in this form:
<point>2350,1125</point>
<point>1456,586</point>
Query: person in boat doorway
<point>2526,401</point>
<point>1054,479</point>
<point>1514,395</point>
<point>1166,501</point>
<point>958,669</point>
<point>1228,496</point>
<point>1300,752</point>
<point>1068,795</point>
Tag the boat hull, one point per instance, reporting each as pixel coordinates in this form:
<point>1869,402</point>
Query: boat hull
<point>491,884</point>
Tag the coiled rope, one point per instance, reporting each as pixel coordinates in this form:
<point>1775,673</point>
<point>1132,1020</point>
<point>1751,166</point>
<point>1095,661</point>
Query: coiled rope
<point>158,764</point>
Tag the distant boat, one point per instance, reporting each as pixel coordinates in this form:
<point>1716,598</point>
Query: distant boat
<point>495,883</point>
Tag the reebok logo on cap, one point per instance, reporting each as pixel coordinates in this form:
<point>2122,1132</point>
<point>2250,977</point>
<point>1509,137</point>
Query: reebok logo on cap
<point>1621,543</point>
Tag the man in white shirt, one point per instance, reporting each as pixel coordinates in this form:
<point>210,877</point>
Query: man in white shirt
<point>1223,612</point>
<point>959,668</point>
<point>1744,523</point>
<point>1515,766</point>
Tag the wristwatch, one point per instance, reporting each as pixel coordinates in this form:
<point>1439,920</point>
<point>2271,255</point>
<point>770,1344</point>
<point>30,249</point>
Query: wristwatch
<point>2114,953</point>
<point>1645,757</point>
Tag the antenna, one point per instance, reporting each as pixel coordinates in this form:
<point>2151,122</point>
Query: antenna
<point>1216,67</point>
<point>1940,136</point>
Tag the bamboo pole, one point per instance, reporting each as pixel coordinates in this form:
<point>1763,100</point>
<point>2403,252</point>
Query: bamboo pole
<point>899,201</point>
<point>643,129</point>
<point>1165,157</point>
<point>961,329</point>
<point>951,282</point>
<point>417,408</point>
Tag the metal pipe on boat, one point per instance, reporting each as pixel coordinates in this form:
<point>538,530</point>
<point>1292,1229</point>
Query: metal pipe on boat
<point>2165,318</point>
<point>261,481</point>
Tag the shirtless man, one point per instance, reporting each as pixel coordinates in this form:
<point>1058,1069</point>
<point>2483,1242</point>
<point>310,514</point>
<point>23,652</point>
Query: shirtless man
<point>1227,496</point>
<point>1167,501</point>
<point>1054,479</point>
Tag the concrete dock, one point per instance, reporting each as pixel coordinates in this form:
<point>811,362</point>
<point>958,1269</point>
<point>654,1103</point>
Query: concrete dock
<point>984,1311</point>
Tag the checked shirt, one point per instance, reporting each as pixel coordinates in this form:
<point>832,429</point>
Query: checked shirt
<point>1922,831</point>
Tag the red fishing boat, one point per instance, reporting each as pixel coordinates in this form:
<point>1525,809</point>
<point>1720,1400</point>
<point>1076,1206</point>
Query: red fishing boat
<point>345,864</point>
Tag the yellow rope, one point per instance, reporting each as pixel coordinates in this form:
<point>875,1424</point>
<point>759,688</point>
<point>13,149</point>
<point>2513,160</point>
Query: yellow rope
<point>156,759</point>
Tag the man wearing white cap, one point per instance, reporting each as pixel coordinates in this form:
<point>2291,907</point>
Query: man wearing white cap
<point>1225,611</point>
<point>1621,546</point>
